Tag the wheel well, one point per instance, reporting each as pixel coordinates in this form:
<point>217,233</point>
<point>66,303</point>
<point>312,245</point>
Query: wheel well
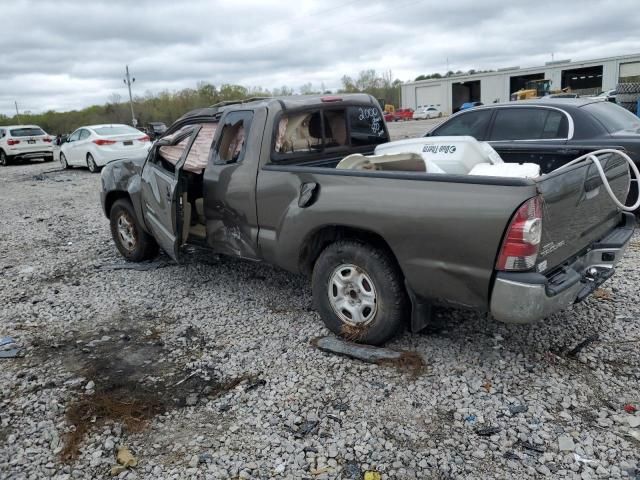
<point>316,242</point>
<point>111,199</point>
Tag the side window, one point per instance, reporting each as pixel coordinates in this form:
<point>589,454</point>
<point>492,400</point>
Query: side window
<point>367,127</point>
<point>528,124</point>
<point>2,133</point>
<point>473,123</point>
<point>74,136</point>
<point>198,156</point>
<point>231,144</point>
<point>169,155</point>
<point>84,134</point>
<point>556,125</point>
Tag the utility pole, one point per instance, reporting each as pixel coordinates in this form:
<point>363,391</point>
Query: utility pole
<point>17,112</point>
<point>128,81</point>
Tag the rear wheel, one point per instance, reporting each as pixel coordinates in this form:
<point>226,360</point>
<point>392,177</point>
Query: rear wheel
<point>91,164</point>
<point>4,160</point>
<point>132,241</point>
<point>359,292</point>
<point>63,161</point>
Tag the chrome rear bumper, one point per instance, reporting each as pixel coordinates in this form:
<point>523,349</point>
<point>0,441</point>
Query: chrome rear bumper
<point>528,297</point>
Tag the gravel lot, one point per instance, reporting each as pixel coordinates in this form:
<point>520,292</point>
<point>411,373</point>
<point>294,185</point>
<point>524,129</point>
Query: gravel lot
<point>205,370</point>
<point>412,128</point>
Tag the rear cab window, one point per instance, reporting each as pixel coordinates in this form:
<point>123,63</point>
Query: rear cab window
<point>321,132</point>
<point>474,123</point>
<point>529,124</point>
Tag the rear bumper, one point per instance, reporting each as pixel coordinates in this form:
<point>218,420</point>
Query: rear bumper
<point>528,297</point>
<point>27,155</point>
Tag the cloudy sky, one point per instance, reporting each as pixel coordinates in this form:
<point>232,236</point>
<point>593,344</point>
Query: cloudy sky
<point>69,54</point>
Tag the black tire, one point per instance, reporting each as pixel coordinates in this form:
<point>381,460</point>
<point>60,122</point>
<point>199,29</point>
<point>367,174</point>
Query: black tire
<point>142,245</point>
<point>386,283</point>
<point>63,161</point>
<point>631,106</point>
<point>630,87</point>
<point>91,164</point>
<point>4,159</point>
<point>627,97</point>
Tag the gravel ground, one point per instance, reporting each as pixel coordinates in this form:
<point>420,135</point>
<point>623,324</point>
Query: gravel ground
<point>205,370</point>
<point>412,128</point>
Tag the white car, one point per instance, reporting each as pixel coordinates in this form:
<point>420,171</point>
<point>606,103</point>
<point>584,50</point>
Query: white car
<point>96,145</point>
<point>423,113</point>
<point>24,142</point>
<point>607,95</point>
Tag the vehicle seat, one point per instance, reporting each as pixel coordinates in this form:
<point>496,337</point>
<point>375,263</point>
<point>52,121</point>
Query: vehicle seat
<point>200,210</point>
<point>301,132</point>
<point>336,127</point>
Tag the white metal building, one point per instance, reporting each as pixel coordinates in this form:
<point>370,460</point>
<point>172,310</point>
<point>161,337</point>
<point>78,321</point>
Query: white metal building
<point>585,77</point>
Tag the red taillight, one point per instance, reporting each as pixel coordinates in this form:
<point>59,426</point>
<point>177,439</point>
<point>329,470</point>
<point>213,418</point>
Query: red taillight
<point>11,141</point>
<point>47,139</point>
<point>521,243</point>
<point>102,141</point>
<point>144,139</point>
<point>331,98</point>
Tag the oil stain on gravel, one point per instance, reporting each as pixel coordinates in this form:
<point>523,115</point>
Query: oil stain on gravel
<point>127,378</point>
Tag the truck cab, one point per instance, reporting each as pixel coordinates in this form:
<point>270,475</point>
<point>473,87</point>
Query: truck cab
<point>198,183</point>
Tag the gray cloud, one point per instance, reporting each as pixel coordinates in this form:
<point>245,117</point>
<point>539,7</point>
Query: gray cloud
<point>69,54</point>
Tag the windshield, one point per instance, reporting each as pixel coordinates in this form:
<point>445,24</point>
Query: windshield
<point>613,117</point>
<point>116,130</point>
<point>27,132</point>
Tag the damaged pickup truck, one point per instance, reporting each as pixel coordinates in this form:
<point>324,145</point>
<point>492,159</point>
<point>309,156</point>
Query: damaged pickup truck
<point>382,237</point>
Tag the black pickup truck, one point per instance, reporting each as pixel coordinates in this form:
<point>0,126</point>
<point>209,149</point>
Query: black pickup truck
<point>263,180</point>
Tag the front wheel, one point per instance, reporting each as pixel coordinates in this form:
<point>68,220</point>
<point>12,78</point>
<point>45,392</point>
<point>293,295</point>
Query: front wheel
<point>63,161</point>
<point>359,292</point>
<point>91,164</point>
<point>132,241</point>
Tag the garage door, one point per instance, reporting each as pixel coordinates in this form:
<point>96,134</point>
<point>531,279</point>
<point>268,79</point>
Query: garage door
<point>429,95</point>
<point>629,69</point>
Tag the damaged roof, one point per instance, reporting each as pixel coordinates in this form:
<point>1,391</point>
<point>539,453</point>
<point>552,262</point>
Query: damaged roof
<point>289,102</point>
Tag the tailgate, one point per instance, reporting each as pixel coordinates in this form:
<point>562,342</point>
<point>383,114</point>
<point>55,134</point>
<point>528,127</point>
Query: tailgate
<point>577,210</point>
